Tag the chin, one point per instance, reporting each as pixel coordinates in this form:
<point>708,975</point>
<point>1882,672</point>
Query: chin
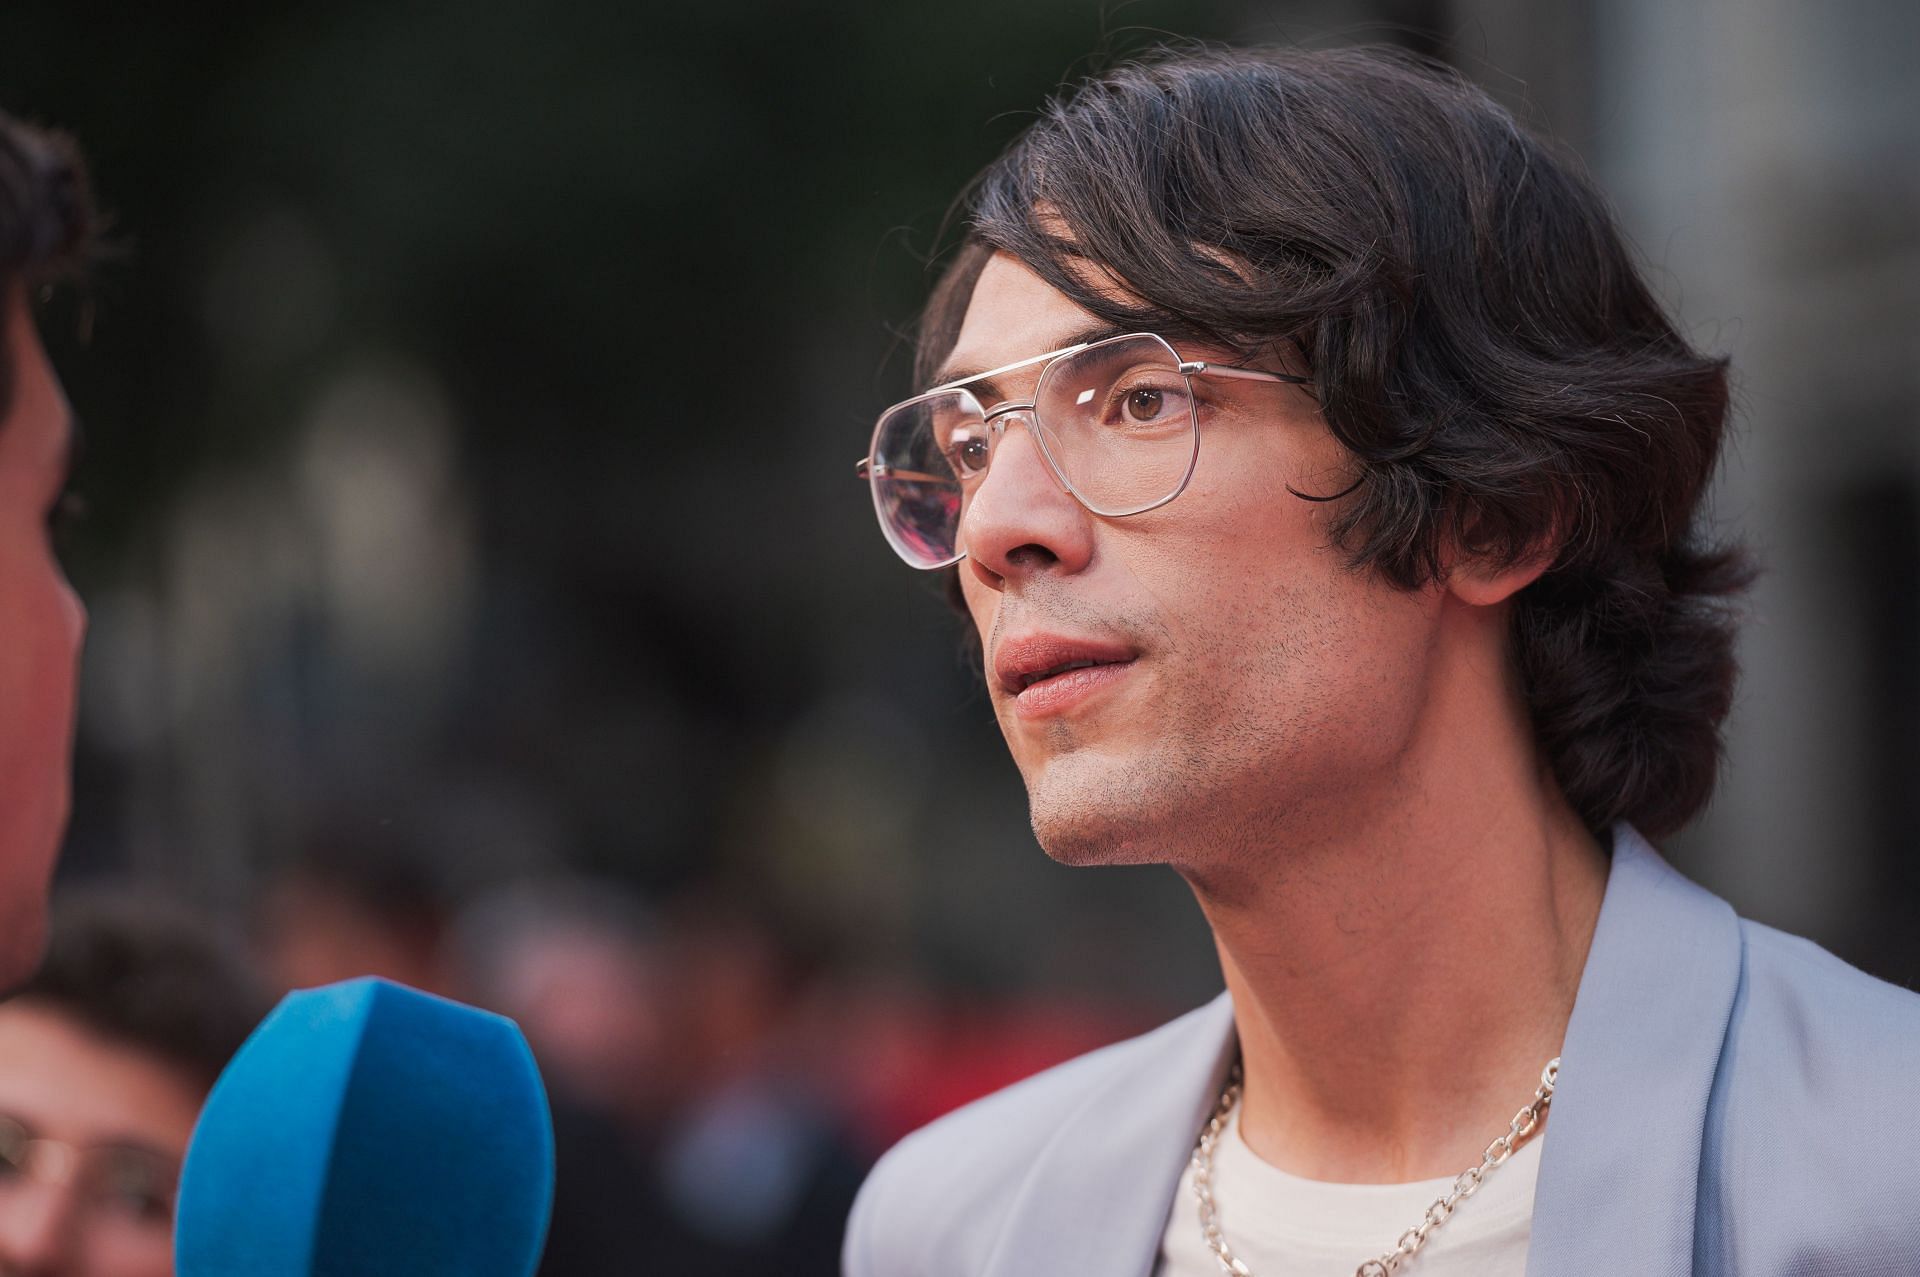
<point>1081,852</point>
<point>1099,824</point>
<point>28,854</point>
<point>1154,807</point>
<point>25,940</point>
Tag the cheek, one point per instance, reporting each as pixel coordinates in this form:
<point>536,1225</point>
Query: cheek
<point>982,602</point>
<point>137,1251</point>
<point>54,626</point>
<point>1237,551</point>
<point>1259,606</point>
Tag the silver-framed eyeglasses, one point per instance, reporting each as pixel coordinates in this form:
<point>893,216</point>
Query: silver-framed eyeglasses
<point>1115,419</point>
<point>119,1187</point>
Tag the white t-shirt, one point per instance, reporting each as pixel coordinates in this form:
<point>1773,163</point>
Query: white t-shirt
<point>1280,1225</point>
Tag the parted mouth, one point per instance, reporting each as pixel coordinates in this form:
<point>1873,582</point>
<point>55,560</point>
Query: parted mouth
<point>1020,661</point>
<point>1028,680</point>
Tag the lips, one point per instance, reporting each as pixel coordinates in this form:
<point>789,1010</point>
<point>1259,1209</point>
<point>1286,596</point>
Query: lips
<point>1048,673</point>
<point>1028,680</point>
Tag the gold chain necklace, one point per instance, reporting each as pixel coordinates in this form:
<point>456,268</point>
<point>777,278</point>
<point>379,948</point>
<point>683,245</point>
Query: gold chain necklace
<point>1464,1186</point>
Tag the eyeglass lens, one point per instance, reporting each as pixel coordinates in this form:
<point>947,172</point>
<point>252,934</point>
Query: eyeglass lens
<point>1116,425</point>
<point>120,1186</point>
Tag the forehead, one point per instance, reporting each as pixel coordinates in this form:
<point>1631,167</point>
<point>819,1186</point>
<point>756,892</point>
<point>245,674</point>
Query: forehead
<point>69,1083</point>
<point>1014,314</point>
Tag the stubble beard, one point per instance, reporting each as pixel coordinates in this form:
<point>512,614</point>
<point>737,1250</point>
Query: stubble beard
<point>1239,767</point>
<point>1198,804</point>
<point>1250,739</point>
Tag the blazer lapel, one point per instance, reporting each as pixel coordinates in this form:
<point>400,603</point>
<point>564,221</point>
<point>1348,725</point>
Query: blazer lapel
<point>1095,1199</point>
<point>1619,1170</point>
<point>1621,1164</point>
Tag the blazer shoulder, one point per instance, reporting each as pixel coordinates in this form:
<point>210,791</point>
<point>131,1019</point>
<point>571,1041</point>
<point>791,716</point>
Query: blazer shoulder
<point>936,1202</point>
<point>1813,1039</point>
<point>1792,983</point>
<point>1809,1148</point>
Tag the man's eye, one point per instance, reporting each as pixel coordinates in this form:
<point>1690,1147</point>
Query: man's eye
<point>136,1189</point>
<point>15,1146</point>
<point>1144,404</point>
<point>970,453</point>
<point>143,1206</point>
<point>1145,400</point>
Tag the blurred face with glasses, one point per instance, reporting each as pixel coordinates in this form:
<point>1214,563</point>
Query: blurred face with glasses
<point>1175,652</point>
<point>92,1134</point>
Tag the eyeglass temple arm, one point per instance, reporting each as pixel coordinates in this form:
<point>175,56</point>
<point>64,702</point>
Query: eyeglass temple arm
<point>866,469</point>
<point>1201,368</point>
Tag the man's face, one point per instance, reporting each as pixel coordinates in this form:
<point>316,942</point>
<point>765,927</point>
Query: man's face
<point>1244,673</point>
<point>91,1192</point>
<point>41,624</point>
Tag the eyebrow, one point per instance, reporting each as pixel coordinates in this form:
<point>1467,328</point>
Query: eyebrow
<point>955,376</point>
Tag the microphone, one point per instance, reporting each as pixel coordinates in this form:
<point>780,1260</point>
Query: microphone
<point>368,1129</point>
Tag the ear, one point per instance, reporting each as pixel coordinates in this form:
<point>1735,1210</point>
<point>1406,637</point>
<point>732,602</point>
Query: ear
<point>1481,582</point>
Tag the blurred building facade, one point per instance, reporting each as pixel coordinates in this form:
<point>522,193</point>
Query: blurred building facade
<point>1765,158</point>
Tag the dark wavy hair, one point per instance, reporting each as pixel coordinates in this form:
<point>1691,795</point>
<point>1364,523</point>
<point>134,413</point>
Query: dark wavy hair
<point>1479,341</point>
<point>47,221</point>
<point>149,975</point>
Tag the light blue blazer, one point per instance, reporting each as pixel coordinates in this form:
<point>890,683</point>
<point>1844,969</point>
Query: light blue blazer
<point>1732,1100</point>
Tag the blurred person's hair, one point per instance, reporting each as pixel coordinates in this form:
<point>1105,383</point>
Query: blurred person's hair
<point>148,975</point>
<point>47,219</point>
<point>1479,341</point>
<point>385,867</point>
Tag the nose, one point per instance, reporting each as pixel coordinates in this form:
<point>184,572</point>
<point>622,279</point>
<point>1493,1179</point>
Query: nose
<point>1020,518</point>
<point>76,616</point>
<point>38,1233</point>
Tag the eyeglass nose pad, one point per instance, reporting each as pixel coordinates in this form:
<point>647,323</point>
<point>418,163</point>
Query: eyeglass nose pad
<point>997,421</point>
<point>53,1163</point>
<point>997,425</point>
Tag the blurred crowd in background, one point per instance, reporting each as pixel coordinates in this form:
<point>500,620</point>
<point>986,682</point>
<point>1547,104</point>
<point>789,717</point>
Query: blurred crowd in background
<point>719,1090</point>
<point>717,1097</point>
<point>482,595</point>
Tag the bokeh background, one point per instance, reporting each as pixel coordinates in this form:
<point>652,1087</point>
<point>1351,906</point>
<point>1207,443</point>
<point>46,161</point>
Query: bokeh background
<point>472,397</point>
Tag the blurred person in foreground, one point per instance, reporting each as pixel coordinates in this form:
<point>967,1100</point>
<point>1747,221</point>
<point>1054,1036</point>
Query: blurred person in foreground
<point>363,896</point>
<point>46,226</point>
<point>684,1137</point>
<point>759,1160</point>
<point>1323,484</point>
<point>579,965</point>
<point>106,1055</point>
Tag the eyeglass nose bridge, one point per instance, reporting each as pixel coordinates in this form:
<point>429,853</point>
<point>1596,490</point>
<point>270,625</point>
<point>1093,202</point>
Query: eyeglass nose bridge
<point>997,418</point>
<point>54,1163</point>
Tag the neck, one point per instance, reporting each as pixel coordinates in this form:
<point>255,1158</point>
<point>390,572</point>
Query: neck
<point>1401,976</point>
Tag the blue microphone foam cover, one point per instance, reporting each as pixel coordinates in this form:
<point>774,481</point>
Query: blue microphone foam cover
<point>368,1129</point>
